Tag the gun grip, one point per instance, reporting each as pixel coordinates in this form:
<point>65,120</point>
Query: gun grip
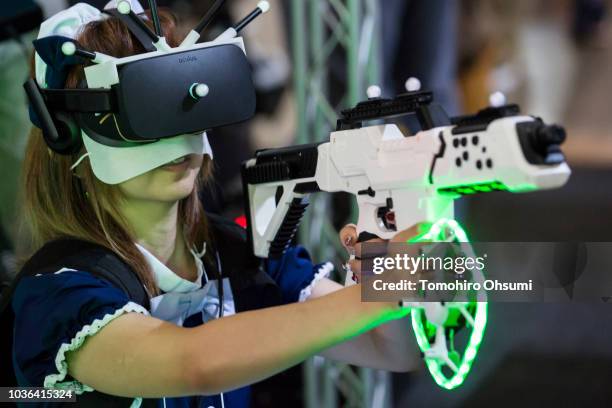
<point>288,228</point>
<point>366,236</point>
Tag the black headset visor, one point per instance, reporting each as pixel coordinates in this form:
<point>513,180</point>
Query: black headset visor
<point>155,97</point>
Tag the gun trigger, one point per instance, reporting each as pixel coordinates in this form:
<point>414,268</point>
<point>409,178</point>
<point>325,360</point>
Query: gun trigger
<point>386,215</point>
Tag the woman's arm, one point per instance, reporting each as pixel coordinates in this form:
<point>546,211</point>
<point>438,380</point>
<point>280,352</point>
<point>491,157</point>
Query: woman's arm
<point>390,346</point>
<point>139,356</point>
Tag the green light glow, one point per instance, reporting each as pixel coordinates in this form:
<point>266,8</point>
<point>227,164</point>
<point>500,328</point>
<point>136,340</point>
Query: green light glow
<point>479,188</point>
<point>438,232</point>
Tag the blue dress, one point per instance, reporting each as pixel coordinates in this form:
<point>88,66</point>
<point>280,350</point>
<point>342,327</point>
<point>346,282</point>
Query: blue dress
<point>55,313</point>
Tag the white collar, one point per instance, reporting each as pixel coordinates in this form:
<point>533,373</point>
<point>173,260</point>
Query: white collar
<point>169,281</point>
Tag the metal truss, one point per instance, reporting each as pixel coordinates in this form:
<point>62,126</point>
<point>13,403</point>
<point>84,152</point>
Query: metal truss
<point>335,57</point>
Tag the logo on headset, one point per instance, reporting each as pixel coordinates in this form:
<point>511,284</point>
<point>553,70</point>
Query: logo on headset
<point>189,58</point>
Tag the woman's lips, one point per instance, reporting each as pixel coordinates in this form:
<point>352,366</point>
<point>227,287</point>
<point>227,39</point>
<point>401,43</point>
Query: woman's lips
<point>178,165</point>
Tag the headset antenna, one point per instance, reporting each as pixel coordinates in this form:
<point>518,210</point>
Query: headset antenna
<point>70,48</point>
<point>209,16</point>
<point>196,32</point>
<point>261,8</point>
<point>155,18</point>
<point>231,32</point>
<point>124,7</point>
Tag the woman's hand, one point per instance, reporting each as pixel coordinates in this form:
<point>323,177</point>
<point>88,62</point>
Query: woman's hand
<point>391,346</point>
<point>348,237</point>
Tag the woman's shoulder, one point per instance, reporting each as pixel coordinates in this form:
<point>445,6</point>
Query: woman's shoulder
<point>80,262</point>
<point>60,310</point>
<point>64,286</point>
<point>62,251</point>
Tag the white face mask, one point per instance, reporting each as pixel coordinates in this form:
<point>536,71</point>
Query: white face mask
<point>114,165</point>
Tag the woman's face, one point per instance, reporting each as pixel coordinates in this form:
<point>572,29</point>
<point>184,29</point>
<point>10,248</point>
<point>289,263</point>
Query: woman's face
<point>171,182</point>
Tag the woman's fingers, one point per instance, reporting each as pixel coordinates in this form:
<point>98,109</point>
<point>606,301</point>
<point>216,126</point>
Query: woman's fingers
<point>348,236</point>
<point>370,253</point>
<point>355,265</point>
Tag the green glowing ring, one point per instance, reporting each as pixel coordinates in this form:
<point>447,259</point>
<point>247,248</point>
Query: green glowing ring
<point>435,233</point>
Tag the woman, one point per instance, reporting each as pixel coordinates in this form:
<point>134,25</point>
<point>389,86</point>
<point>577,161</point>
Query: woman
<point>76,330</point>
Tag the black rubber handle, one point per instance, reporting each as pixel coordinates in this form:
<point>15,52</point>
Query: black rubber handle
<point>366,236</point>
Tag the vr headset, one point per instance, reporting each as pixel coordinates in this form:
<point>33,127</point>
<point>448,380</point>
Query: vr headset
<point>143,98</point>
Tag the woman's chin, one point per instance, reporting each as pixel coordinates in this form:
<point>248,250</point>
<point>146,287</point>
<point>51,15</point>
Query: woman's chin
<point>176,191</point>
<point>162,185</point>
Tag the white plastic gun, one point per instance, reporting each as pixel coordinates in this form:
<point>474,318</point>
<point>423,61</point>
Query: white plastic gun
<point>400,180</point>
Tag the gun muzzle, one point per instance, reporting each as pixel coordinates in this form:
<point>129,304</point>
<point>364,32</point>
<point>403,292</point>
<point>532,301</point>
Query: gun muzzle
<point>541,143</point>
